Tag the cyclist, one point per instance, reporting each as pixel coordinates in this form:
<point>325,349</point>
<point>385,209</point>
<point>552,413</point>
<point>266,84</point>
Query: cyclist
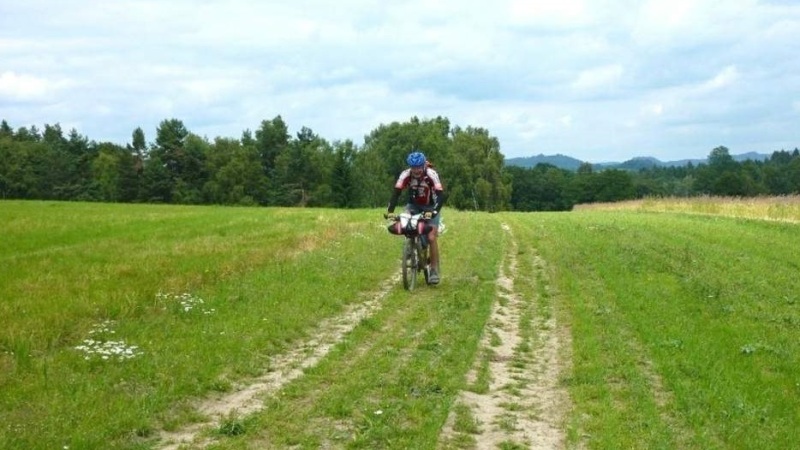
<point>426,194</point>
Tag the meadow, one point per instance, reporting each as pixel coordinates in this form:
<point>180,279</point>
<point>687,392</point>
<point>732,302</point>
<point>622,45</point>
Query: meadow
<point>654,324</point>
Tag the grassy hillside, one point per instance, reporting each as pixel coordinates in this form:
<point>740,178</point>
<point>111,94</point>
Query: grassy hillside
<point>144,326</point>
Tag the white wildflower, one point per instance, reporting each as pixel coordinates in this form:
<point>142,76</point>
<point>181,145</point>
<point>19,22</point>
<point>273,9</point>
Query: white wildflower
<point>103,348</point>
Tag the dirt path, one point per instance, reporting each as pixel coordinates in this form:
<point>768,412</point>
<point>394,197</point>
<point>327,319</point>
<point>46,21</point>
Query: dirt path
<point>284,368</point>
<point>523,405</point>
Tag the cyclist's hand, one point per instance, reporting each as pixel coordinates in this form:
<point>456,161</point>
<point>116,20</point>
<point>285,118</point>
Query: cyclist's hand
<point>428,215</point>
<point>389,216</point>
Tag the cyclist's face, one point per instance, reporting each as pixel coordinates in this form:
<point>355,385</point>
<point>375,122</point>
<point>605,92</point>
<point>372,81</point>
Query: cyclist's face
<point>416,172</point>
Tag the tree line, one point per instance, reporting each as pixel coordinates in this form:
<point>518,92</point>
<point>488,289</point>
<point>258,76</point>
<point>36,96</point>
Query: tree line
<point>548,188</point>
<point>269,167</point>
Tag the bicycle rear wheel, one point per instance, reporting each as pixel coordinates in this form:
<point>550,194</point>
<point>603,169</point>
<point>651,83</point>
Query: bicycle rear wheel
<point>424,263</point>
<point>409,264</point>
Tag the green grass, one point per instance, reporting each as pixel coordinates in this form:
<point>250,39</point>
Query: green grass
<point>685,328</point>
<point>267,275</point>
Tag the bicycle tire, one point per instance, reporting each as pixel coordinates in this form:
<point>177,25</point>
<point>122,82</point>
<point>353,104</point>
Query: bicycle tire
<point>424,263</point>
<point>409,264</point>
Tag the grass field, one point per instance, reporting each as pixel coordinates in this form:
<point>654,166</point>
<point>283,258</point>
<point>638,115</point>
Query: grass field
<point>642,325</point>
<point>785,208</point>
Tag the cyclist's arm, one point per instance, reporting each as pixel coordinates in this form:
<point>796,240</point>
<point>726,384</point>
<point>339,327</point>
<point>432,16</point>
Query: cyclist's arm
<point>440,199</point>
<point>393,201</point>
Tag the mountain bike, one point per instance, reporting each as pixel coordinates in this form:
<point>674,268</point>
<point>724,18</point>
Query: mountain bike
<point>416,256</point>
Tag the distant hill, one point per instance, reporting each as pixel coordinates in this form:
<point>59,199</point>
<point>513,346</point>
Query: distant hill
<point>558,160</point>
<point>635,164</point>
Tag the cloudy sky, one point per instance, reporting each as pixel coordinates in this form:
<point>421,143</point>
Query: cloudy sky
<point>599,80</point>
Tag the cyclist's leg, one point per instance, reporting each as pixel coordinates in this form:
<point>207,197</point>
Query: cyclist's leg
<point>434,247</point>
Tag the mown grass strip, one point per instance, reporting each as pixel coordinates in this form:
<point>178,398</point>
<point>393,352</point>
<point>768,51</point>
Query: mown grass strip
<point>707,303</point>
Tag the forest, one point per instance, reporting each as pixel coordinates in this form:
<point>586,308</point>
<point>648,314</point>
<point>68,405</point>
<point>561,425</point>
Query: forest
<point>270,167</point>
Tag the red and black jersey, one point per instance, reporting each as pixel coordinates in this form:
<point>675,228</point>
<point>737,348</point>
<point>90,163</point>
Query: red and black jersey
<point>426,191</point>
<point>421,191</point>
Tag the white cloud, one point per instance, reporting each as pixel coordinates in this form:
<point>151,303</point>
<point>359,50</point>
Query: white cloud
<point>682,23</point>
<point>654,109</point>
<point>598,77</point>
<point>666,15</point>
<point>22,87</point>
<point>547,12</point>
<point>726,77</point>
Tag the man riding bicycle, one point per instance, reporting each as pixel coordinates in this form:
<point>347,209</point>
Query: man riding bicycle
<point>426,194</point>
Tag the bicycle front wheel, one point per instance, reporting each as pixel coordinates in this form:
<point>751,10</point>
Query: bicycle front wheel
<point>409,264</point>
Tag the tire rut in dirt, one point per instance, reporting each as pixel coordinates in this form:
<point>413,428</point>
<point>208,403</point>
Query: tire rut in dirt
<point>283,368</point>
<point>523,404</point>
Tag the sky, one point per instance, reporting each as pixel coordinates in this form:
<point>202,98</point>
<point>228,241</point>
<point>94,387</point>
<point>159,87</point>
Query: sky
<point>598,80</point>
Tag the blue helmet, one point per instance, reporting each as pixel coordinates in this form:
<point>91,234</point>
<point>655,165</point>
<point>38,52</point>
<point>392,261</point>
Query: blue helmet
<point>416,159</point>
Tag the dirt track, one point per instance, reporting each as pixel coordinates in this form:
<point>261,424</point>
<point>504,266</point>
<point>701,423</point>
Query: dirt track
<point>284,368</point>
<point>523,404</point>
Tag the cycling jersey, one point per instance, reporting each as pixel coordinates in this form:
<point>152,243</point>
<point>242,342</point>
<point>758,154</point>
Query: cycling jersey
<point>422,191</point>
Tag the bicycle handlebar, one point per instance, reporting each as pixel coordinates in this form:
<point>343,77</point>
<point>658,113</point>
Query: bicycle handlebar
<point>421,215</point>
